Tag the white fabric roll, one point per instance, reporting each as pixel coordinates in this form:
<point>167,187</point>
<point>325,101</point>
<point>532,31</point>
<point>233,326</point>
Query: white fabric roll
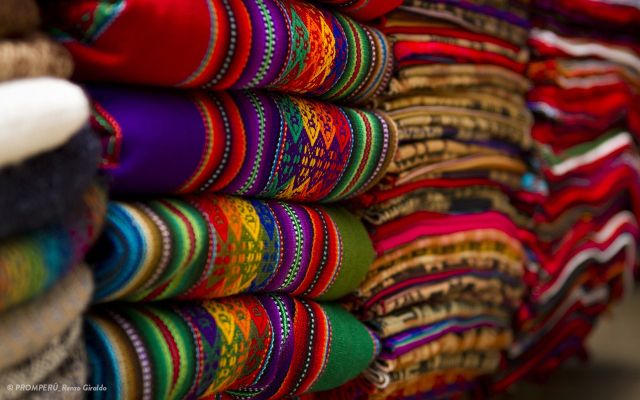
<point>38,115</point>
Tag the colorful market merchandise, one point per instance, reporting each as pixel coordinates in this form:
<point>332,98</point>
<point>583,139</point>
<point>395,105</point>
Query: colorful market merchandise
<point>284,45</point>
<point>254,144</point>
<point>210,246</point>
<point>258,347</point>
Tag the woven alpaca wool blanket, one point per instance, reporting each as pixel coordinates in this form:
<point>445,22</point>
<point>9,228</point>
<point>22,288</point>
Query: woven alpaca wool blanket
<point>62,361</point>
<point>48,188</point>
<point>27,330</point>
<point>286,45</point>
<point>38,115</point>
<point>73,372</point>
<point>33,56</point>
<point>259,347</point>
<point>254,144</point>
<point>499,22</point>
<point>210,246</point>
<point>31,263</point>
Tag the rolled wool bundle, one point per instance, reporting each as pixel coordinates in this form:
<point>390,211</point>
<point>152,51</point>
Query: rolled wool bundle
<point>32,262</point>
<point>38,115</point>
<point>32,56</point>
<point>48,188</point>
<point>27,330</point>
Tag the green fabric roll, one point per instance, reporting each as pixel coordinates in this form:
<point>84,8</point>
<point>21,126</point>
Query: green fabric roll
<point>352,346</point>
<point>356,247</point>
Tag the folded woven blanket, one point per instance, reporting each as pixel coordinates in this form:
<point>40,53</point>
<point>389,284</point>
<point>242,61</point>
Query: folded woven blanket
<point>249,346</point>
<point>244,143</point>
<point>286,45</point>
<point>48,188</point>
<point>611,15</point>
<point>419,377</point>
<point>62,362</point>
<point>432,196</point>
<point>211,246</point>
<point>28,330</point>
<point>33,262</point>
<point>18,17</point>
<point>498,21</point>
<point>32,56</point>
<point>38,115</point>
<point>73,372</point>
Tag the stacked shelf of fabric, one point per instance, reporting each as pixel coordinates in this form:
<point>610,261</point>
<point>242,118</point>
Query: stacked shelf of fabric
<point>446,219</point>
<point>51,207</point>
<point>330,199</point>
<point>585,71</point>
<point>218,262</point>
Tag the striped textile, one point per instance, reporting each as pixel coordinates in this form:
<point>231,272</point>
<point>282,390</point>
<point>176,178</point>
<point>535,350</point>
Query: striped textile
<point>254,144</point>
<point>27,330</point>
<point>266,346</point>
<point>35,261</point>
<point>286,45</point>
<point>210,246</point>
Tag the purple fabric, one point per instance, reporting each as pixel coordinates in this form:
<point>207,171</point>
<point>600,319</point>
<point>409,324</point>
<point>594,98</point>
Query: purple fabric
<point>252,144</point>
<point>175,155</point>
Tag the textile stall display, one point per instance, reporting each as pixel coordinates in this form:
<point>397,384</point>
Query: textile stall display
<point>446,219</point>
<point>311,199</point>
<point>215,163</point>
<point>586,102</point>
<point>51,208</point>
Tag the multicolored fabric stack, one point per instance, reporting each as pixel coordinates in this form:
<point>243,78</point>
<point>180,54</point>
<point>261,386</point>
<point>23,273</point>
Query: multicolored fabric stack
<point>216,174</point>
<point>312,199</point>
<point>446,219</point>
<point>51,207</point>
<point>586,73</point>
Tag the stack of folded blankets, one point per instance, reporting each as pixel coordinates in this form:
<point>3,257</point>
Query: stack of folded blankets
<point>51,208</point>
<point>586,74</point>
<point>217,263</point>
<point>446,219</point>
<point>329,199</point>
